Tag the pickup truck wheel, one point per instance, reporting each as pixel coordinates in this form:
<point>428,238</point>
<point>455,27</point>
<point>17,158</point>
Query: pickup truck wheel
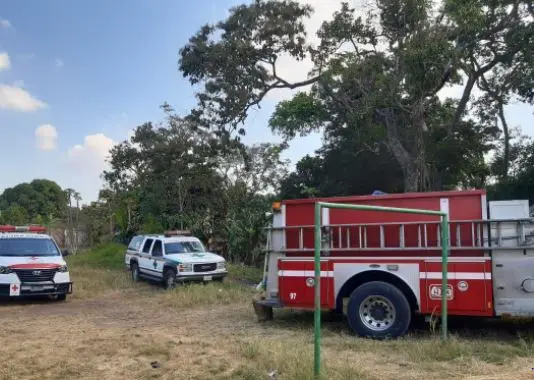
<point>378,310</point>
<point>135,271</point>
<point>169,279</point>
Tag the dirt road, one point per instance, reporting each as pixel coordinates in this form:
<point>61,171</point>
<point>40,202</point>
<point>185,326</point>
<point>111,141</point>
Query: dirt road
<point>122,336</point>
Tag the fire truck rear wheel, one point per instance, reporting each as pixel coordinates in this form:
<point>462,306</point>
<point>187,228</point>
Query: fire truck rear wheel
<point>378,310</point>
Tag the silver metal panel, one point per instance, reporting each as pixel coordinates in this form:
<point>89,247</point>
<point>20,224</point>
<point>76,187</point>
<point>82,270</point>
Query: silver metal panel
<point>510,270</point>
<point>277,243</point>
<point>516,209</point>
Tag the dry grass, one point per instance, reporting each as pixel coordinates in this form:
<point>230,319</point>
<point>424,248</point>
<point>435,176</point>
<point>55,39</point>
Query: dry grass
<point>113,329</point>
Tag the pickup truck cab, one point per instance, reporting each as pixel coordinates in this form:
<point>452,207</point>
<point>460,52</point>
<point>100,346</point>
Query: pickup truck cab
<point>173,257</point>
<point>31,264</point>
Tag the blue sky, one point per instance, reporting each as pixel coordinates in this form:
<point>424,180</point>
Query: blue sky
<point>77,76</point>
<point>100,68</point>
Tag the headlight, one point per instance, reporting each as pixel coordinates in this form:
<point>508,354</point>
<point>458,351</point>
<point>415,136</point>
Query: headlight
<point>5,270</point>
<point>221,265</point>
<point>185,267</point>
<point>63,268</point>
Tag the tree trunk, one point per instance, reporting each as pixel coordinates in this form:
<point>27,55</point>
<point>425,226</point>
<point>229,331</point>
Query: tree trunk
<point>506,156</point>
<point>413,166</point>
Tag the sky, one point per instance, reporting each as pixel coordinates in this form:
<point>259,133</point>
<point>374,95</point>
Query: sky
<point>76,77</point>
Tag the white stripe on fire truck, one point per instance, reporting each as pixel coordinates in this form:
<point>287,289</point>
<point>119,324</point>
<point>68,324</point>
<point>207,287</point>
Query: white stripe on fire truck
<point>303,273</point>
<point>455,276</point>
<point>422,275</point>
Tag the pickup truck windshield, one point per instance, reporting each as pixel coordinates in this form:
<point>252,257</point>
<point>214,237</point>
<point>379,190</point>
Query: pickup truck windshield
<point>183,247</point>
<point>27,247</point>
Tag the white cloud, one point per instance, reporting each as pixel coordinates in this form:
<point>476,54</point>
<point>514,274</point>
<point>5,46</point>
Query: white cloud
<point>5,62</point>
<point>84,165</point>
<point>17,99</point>
<point>18,83</point>
<point>46,137</point>
<point>92,154</point>
<point>5,24</point>
<point>59,63</point>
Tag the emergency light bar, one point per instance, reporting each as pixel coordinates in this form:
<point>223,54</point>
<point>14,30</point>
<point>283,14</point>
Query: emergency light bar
<point>177,233</point>
<point>34,229</point>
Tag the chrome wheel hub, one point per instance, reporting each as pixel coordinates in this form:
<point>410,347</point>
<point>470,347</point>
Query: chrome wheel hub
<point>377,313</point>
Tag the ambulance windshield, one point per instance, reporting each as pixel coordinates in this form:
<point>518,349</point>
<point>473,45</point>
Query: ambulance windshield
<point>27,247</point>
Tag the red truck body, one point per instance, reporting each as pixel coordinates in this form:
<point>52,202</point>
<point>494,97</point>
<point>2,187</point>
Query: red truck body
<point>404,252</point>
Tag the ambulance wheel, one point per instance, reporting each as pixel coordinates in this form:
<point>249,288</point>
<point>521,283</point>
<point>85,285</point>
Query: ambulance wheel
<point>378,310</point>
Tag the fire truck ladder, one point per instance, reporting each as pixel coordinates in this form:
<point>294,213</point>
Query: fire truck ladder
<point>413,236</point>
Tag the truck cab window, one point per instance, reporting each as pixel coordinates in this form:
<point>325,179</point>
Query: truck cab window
<point>157,249</point>
<point>148,244</point>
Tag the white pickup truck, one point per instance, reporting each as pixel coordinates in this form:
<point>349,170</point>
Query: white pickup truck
<point>31,264</point>
<point>173,257</point>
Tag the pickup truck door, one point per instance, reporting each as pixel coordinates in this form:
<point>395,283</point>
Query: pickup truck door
<point>156,259</point>
<point>145,264</point>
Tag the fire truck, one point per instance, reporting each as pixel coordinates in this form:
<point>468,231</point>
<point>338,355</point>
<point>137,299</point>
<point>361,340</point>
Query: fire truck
<point>381,268</point>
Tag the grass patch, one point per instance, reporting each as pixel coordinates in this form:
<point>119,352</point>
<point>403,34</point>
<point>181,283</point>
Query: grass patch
<point>244,273</point>
<point>214,293</point>
<point>107,256</point>
<point>99,270</point>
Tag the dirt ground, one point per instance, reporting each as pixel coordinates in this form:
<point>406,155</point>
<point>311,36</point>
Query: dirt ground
<point>120,335</point>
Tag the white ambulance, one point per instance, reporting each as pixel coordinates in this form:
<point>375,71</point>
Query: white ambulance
<point>31,264</point>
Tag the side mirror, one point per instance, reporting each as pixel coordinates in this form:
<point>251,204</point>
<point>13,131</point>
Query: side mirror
<point>65,252</point>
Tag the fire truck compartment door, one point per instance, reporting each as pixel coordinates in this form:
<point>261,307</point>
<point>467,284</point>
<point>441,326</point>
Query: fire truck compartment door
<point>469,288</point>
<point>297,284</point>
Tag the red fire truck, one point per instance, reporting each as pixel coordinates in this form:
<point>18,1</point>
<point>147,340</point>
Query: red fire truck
<point>380,268</point>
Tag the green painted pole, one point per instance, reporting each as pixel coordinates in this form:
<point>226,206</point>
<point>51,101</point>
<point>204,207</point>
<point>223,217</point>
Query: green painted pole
<point>317,264</point>
<point>444,269</point>
<point>317,316</point>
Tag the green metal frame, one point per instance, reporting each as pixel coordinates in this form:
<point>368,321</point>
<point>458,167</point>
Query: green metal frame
<point>317,264</point>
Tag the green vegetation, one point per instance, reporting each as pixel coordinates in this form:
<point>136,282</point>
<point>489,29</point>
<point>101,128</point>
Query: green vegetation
<point>103,256</point>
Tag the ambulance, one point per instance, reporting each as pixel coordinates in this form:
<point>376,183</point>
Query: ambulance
<point>31,264</point>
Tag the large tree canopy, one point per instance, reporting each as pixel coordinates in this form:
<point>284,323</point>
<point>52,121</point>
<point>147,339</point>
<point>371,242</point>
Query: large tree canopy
<point>379,75</point>
<point>38,200</point>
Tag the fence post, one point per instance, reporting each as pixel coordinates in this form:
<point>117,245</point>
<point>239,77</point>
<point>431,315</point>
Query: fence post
<point>317,316</point>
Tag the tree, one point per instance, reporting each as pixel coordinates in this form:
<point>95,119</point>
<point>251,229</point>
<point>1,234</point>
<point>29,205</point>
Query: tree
<point>381,74</point>
<point>39,198</point>
<point>251,177</point>
<point>168,172</point>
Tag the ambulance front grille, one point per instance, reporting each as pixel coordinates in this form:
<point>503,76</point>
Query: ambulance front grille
<point>35,275</point>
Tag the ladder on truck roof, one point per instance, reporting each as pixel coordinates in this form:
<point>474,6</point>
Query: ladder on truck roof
<point>399,236</point>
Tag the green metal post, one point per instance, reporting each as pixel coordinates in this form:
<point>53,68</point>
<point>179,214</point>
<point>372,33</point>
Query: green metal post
<point>317,347</point>
<point>444,259</point>
<point>444,270</point>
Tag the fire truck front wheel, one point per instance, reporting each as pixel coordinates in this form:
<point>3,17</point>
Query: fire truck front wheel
<point>378,310</point>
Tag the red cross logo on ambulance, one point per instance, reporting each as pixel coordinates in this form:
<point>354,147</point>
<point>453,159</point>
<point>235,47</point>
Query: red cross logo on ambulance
<point>434,292</point>
<point>14,290</point>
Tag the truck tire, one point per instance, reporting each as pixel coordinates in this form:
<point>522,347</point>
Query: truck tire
<point>378,310</point>
<point>169,278</point>
<point>134,268</point>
